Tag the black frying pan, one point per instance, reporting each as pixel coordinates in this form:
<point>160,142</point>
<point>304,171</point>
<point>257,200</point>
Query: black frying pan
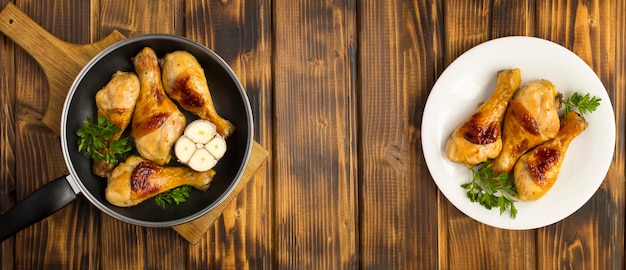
<point>230,101</point>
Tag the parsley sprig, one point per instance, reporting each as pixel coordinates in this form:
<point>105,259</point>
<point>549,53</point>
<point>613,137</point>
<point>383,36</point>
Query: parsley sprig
<point>174,196</point>
<point>94,137</point>
<point>584,103</point>
<point>491,190</point>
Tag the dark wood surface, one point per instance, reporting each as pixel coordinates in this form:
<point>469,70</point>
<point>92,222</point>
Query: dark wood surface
<point>338,90</point>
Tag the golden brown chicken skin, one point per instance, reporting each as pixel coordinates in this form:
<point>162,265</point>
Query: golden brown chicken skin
<point>184,81</point>
<point>536,171</point>
<point>531,118</point>
<point>157,121</point>
<point>479,138</point>
<point>116,101</point>
<point>138,179</point>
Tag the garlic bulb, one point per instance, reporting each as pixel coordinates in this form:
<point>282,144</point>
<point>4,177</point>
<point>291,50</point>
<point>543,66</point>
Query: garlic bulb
<point>200,147</point>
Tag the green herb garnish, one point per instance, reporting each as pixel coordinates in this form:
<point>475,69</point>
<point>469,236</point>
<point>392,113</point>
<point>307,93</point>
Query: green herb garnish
<point>176,195</point>
<point>491,190</point>
<point>94,137</point>
<point>584,104</point>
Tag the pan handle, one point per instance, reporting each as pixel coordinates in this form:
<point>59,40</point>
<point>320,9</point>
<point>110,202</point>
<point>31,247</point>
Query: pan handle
<point>38,205</point>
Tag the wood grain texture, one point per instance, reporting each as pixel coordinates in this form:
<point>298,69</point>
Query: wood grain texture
<point>619,102</point>
<point>7,143</point>
<point>141,17</point>
<point>337,90</point>
<point>471,244</point>
<point>589,29</point>
<point>315,154</point>
<point>158,239</point>
<point>122,246</point>
<point>396,72</point>
<point>239,31</point>
<point>59,233</point>
<point>467,23</point>
<point>512,18</point>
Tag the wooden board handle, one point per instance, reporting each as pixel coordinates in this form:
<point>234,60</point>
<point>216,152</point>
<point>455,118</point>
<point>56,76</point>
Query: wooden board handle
<point>41,45</point>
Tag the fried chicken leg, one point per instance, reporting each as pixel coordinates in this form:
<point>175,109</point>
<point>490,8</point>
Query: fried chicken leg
<point>536,171</point>
<point>479,138</point>
<point>116,101</point>
<point>138,179</point>
<point>531,118</point>
<point>157,121</point>
<point>185,82</point>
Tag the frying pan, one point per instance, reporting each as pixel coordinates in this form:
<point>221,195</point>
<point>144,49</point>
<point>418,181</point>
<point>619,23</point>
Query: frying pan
<point>230,101</point>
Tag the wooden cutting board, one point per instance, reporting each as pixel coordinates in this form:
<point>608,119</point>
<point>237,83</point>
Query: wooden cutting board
<point>40,44</point>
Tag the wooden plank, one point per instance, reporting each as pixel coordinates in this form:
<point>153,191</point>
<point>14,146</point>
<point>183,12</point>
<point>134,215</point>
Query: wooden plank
<point>467,24</point>
<point>160,239</point>
<point>8,172</point>
<point>397,53</point>
<point>123,245</point>
<point>316,127</point>
<point>59,233</point>
<point>135,18</point>
<point>239,31</point>
<point>513,18</point>
<point>472,245</point>
<point>593,237</point>
<point>140,17</point>
<point>619,102</point>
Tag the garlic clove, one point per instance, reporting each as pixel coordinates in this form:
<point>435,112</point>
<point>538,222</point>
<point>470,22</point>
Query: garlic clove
<point>216,146</point>
<point>201,160</point>
<point>184,148</point>
<point>200,131</point>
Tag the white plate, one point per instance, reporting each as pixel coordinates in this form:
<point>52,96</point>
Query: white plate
<point>470,79</point>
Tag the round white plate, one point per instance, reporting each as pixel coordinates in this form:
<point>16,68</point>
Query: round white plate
<point>470,79</point>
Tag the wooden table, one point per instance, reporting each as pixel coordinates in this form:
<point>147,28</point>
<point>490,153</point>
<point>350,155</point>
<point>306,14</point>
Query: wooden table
<point>338,89</point>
